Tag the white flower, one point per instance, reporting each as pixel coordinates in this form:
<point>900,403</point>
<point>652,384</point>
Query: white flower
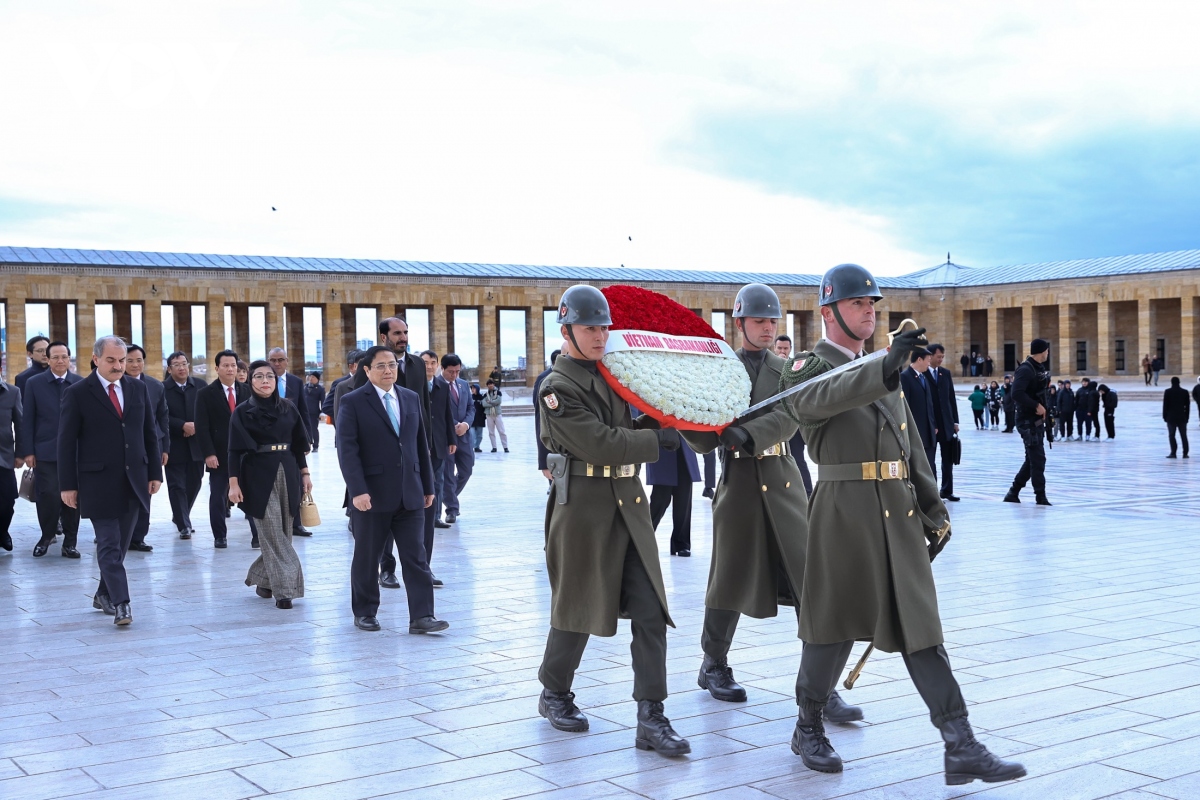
<point>706,390</point>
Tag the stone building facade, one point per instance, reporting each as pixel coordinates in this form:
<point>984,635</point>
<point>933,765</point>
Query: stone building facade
<point>1102,315</point>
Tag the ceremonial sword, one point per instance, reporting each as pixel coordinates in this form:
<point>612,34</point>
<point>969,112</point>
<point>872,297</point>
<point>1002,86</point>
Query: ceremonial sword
<point>878,354</point>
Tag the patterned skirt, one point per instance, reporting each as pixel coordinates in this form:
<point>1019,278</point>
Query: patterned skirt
<point>278,566</point>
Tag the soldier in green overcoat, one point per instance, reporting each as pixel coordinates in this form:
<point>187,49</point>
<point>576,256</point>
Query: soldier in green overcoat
<point>868,573</point>
<point>760,526</point>
<point>601,555</point>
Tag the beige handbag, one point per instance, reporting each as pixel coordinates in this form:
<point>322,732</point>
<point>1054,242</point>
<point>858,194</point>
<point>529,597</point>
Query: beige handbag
<point>310,517</point>
<point>26,491</point>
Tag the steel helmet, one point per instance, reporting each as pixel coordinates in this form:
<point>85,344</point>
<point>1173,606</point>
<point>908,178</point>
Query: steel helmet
<point>846,281</point>
<point>757,301</point>
<point>583,305</point>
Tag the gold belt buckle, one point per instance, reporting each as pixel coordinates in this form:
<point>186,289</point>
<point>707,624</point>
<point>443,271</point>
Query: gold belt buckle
<point>590,470</point>
<point>625,471</point>
<point>774,450</point>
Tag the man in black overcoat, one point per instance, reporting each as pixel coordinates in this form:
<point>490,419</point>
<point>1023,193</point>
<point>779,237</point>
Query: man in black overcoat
<point>185,464</point>
<point>214,408</point>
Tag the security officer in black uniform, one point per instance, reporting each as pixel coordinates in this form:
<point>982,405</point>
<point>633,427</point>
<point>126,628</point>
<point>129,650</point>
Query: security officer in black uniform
<point>601,555</point>
<point>760,514</point>
<point>1029,386</point>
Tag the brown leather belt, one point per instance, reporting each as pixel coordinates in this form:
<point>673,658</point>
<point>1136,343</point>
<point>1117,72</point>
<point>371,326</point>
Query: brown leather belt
<point>780,449</point>
<point>866,471</point>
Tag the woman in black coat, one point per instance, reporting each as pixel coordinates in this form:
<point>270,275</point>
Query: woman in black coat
<point>267,472</point>
<point>480,421</point>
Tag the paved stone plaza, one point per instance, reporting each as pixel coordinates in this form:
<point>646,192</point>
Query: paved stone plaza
<point>1075,631</point>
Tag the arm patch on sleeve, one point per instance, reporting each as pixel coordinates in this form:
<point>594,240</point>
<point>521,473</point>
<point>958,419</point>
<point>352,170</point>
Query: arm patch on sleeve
<point>551,402</point>
<point>797,369</point>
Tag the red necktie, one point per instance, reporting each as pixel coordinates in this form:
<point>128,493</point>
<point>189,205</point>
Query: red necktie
<point>454,391</point>
<point>232,403</point>
<point>112,395</point>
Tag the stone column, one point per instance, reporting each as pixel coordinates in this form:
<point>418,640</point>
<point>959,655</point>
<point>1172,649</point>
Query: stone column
<point>1061,357</point>
<point>275,324</point>
<point>1026,331</point>
<point>58,324</point>
<point>14,314</point>
<point>294,315</point>
<point>183,329</point>
<point>152,336</point>
<point>995,338</point>
<point>1145,332</point>
<point>1188,361</point>
<point>439,329</point>
<point>333,345</point>
<point>85,333</point>
<point>123,321</point>
<point>214,330</point>
<point>1104,345</point>
<point>535,344</point>
<point>489,344</point>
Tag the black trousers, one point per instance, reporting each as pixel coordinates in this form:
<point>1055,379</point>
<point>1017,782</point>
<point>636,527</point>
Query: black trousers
<point>183,486</point>
<point>564,649</point>
<point>112,543</point>
<point>373,530</point>
<point>821,665</point>
<point>1110,425</point>
<point>314,430</point>
<point>1008,418</point>
<point>1066,426</point>
<point>680,499</point>
<point>931,456</point>
<point>218,500</point>
<point>1034,466</point>
<point>717,635</point>
<point>8,498</point>
<point>946,445</point>
<point>431,516</point>
<point>1172,427</point>
<point>50,507</point>
<point>1085,424</point>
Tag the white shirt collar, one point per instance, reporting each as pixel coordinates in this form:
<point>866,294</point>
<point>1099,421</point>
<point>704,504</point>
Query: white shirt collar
<point>849,353</point>
<point>392,393</point>
<point>107,383</point>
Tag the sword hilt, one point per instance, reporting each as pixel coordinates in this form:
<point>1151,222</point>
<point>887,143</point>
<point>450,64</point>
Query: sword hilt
<point>900,329</point>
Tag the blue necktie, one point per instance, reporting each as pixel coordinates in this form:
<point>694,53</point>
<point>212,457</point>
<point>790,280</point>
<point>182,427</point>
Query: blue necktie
<point>283,386</point>
<point>389,404</point>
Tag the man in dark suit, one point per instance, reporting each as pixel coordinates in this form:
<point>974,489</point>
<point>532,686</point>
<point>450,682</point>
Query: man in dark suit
<point>135,368</point>
<point>109,464</point>
<point>462,413</point>
<point>351,366</point>
<point>38,349</point>
<point>383,450</point>
<point>37,443</point>
<point>919,395</point>
<point>945,416</point>
<point>291,388</point>
<point>1177,408</point>
<point>442,445</point>
<point>314,398</point>
<point>185,466</point>
<point>214,408</point>
<point>672,477</point>
<point>11,410</point>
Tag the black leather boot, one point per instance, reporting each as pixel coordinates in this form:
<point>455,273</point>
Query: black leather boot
<point>717,677</point>
<point>967,759</point>
<point>560,709</point>
<point>809,741</point>
<point>1012,496</point>
<point>654,731</point>
<point>839,711</point>
<point>1041,499</point>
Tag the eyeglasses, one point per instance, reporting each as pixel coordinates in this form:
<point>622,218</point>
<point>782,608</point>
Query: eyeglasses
<point>277,359</point>
<point>387,366</point>
<point>264,376</point>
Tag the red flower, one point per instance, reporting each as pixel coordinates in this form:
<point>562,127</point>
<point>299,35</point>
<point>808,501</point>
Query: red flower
<point>639,309</point>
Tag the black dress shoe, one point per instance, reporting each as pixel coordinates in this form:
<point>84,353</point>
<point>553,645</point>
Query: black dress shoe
<point>6,541</point>
<point>265,594</point>
<point>839,711</point>
<point>301,531</point>
<point>709,493</point>
<point>560,709</point>
<point>1013,496</point>
<point>437,523</point>
<point>388,580</point>
<point>254,543</point>
<point>366,623</point>
<point>283,602</point>
<point>1041,499</point>
<point>102,602</point>
<point>141,547</point>
<point>123,615</point>
<point>450,518</point>
<point>69,552</point>
<point>184,533</point>
<point>952,498</point>
<point>967,759</point>
<point>221,543</point>
<point>717,677</point>
<point>437,581</point>
<point>809,740</point>
<point>427,625</point>
<point>493,449</point>
<point>478,450</point>
<point>505,450</point>
<point>40,549</point>
<point>684,553</point>
<point>654,731</point>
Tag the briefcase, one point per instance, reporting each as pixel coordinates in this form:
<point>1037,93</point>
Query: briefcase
<point>956,448</point>
<point>27,490</point>
<point>310,517</point>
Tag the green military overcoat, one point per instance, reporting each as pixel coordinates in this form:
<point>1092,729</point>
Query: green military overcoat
<point>868,574</point>
<point>759,512</point>
<point>587,538</point>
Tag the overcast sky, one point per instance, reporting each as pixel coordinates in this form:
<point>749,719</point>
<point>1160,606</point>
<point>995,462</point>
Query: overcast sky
<point>750,136</point>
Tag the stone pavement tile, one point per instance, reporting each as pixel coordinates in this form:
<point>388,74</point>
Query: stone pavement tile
<point>736,793</point>
<point>599,790</point>
<point>612,765</point>
<point>688,777</point>
<point>858,776</point>
<point>281,775</point>
<point>1149,681</point>
<point>326,738</point>
<point>1018,666</point>
<point>1185,787</point>
<point>1142,794</point>
<point>1165,761</point>
<point>166,727</point>
<point>1080,725</point>
<point>48,785</point>
<point>8,769</point>
<point>1081,783</point>
<point>210,786</point>
<point>1130,662</point>
<point>89,755</point>
<point>1183,727</point>
<point>178,765</point>
<point>44,744</point>
<point>1168,704</point>
<point>445,774</point>
<point>491,787</point>
<point>1039,705</point>
<point>477,741</point>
